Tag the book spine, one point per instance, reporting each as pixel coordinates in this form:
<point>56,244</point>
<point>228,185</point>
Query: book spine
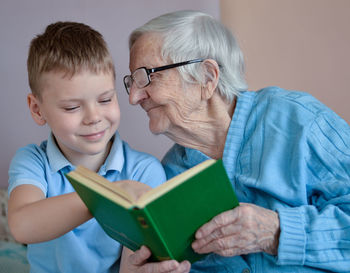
<point>152,238</point>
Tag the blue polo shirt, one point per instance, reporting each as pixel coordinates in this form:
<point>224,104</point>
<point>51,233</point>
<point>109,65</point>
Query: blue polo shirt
<point>87,248</point>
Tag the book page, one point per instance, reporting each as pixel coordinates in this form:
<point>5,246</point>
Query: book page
<point>113,187</point>
<point>172,183</point>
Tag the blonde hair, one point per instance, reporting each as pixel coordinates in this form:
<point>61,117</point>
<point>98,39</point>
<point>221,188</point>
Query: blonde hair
<point>67,47</point>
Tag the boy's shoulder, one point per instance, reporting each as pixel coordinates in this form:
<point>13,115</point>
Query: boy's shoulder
<point>123,157</point>
<point>141,166</point>
<point>29,166</point>
<point>32,151</point>
<point>133,155</point>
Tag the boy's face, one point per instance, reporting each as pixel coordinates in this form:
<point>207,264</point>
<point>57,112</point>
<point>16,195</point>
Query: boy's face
<point>82,112</point>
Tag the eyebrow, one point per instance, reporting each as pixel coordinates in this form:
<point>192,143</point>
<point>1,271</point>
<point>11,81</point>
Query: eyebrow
<point>103,94</point>
<point>108,91</point>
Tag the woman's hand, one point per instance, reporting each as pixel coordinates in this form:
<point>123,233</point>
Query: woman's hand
<point>242,230</point>
<point>137,262</point>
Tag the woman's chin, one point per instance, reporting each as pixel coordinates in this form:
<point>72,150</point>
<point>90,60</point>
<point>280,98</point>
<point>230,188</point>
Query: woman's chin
<point>155,131</point>
<point>157,128</point>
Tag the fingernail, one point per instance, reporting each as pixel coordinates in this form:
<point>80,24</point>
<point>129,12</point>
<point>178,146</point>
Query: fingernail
<point>173,265</point>
<point>185,266</point>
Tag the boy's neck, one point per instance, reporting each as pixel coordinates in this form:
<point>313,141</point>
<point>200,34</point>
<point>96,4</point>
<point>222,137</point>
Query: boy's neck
<point>92,162</point>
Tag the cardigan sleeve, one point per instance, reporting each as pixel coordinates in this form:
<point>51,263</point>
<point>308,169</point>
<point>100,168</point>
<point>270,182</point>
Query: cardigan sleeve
<point>318,234</point>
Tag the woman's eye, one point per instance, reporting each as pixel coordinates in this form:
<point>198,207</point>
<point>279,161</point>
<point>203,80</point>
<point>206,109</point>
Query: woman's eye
<point>155,77</point>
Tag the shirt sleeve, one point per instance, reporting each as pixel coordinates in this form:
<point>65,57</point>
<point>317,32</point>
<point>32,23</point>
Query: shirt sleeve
<point>27,167</point>
<point>318,234</point>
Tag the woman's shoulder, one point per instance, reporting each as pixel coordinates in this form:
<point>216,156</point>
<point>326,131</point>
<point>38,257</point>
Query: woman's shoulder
<point>280,99</point>
<point>275,92</point>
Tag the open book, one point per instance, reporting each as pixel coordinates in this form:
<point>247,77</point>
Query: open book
<point>164,218</point>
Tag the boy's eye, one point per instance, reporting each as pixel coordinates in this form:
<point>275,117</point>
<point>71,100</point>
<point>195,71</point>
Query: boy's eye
<point>106,100</point>
<point>70,108</point>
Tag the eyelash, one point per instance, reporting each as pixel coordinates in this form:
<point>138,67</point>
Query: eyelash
<point>71,109</point>
<point>106,100</point>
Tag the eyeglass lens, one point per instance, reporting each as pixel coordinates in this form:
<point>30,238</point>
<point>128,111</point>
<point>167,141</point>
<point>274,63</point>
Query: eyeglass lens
<point>140,77</point>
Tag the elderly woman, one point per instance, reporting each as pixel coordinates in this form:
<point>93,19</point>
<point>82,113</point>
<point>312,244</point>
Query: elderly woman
<point>287,155</point>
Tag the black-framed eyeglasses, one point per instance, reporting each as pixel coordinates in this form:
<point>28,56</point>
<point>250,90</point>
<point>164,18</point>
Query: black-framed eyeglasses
<point>141,76</point>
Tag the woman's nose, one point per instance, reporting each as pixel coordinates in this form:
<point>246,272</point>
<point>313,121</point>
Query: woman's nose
<point>136,95</point>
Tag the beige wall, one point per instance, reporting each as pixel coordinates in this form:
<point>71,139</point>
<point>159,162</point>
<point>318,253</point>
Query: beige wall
<point>295,44</point>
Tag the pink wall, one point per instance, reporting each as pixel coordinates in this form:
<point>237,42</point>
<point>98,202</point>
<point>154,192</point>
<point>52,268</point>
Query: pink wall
<point>21,20</point>
<point>297,44</point>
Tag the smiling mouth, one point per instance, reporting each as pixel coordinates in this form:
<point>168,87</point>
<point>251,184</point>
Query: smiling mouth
<point>94,136</point>
<point>149,109</point>
<point>147,106</point>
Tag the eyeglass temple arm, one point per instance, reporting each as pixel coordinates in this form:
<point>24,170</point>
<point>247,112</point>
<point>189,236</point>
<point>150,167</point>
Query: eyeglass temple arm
<point>152,70</point>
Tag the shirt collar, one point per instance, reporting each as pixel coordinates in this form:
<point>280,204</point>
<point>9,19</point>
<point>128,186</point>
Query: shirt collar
<point>56,159</point>
<point>115,158</point>
<point>113,162</point>
<point>193,157</point>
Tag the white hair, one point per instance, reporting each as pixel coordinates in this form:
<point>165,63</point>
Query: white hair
<point>190,35</point>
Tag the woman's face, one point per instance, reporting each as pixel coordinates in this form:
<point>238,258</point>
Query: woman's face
<point>167,103</point>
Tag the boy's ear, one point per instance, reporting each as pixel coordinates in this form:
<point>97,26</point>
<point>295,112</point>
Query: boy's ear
<point>34,107</point>
<point>211,78</point>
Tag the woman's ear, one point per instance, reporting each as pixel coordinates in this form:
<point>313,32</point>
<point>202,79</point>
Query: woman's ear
<point>211,78</point>
<point>34,107</point>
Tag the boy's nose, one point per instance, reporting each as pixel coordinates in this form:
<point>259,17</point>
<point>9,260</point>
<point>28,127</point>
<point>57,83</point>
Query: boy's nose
<point>92,115</point>
<point>136,95</point>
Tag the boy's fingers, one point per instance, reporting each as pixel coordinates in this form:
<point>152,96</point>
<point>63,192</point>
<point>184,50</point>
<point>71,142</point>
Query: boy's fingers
<point>170,266</point>
<point>162,267</point>
<point>140,256</point>
<point>139,260</point>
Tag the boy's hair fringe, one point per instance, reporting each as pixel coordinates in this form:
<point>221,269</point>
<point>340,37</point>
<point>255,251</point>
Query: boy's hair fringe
<point>67,47</point>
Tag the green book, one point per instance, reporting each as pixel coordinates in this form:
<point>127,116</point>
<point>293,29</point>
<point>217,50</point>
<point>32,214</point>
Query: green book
<point>165,218</point>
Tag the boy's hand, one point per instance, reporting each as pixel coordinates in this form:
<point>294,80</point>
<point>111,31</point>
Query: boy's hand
<point>133,188</point>
<point>137,262</point>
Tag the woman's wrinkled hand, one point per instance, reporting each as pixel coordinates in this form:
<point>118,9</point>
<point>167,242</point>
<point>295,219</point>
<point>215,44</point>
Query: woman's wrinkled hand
<point>245,229</point>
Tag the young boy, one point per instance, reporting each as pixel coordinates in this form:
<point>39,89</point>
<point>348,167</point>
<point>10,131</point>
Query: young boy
<point>72,79</point>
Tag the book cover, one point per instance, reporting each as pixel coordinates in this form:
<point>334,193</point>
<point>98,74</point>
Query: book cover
<point>165,218</point>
